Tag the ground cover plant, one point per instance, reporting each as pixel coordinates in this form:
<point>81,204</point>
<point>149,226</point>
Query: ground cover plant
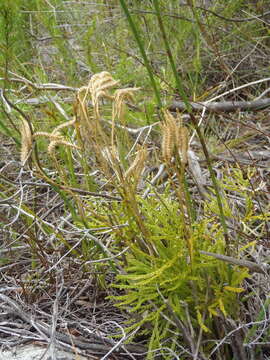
<point>134,178</point>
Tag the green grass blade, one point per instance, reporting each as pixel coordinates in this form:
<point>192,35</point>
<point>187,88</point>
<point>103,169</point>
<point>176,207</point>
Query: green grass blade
<point>170,56</point>
<point>213,178</point>
<point>139,41</point>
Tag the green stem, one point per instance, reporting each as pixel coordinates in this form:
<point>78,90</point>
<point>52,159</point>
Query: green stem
<point>170,57</point>
<point>142,50</point>
<point>213,178</point>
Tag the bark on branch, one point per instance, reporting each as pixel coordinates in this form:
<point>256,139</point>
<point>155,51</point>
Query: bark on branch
<point>253,267</point>
<point>222,106</point>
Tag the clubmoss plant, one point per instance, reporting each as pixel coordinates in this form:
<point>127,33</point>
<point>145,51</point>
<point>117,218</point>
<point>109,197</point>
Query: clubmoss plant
<point>165,274</point>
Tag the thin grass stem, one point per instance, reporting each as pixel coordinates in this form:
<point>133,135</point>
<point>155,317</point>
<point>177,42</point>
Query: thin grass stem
<point>139,41</point>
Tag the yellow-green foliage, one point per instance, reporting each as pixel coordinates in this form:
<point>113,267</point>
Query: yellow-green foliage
<point>168,280</point>
<point>249,214</point>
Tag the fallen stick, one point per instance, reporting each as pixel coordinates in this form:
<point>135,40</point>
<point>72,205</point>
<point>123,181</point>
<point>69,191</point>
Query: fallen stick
<point>222,106</point>
<point>252,266</point>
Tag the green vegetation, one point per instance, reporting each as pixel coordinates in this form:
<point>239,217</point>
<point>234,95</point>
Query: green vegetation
<point>167,213</point>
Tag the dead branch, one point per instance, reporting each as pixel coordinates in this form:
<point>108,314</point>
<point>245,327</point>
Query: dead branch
<point>252,266</point>
<point>222,106</point>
